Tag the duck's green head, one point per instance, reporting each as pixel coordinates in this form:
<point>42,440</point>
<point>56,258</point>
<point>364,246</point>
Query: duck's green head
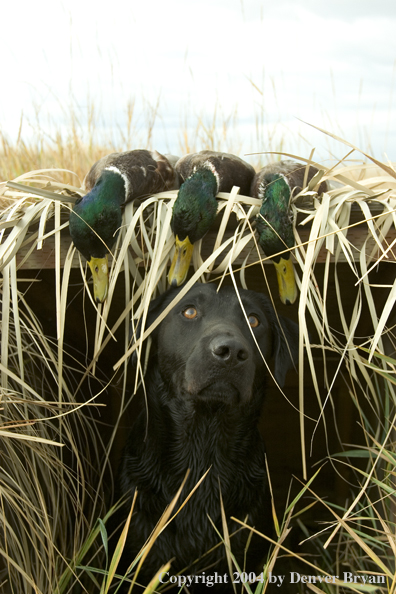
<point>94,223</point>
<point>193,213</point>
<point>275,231</point>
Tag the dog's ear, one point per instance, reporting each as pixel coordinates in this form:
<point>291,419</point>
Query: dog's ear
<point>155,309</point>
<point>285,347</point>
<point>284,340</point>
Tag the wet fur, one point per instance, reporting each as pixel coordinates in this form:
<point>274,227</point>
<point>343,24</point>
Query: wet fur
<point>205,389</point>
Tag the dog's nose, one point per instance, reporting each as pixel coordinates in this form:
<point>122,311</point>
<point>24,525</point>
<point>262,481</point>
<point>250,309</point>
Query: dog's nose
<point>229,349</point>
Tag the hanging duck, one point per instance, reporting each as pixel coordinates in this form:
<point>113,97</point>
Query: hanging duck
<point>275,184</point>
<point>203,175</point>
<point>96,218</point>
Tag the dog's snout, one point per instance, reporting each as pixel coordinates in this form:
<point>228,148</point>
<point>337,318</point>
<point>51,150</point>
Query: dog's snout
<point>229,349</point>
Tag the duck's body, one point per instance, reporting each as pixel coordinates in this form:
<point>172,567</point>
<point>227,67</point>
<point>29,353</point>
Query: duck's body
<point>111,182</point>
<point>146,172</point>
<point>229,169</point>
<point>292,170</point>
<point>203,176</point>
<point>275,184</point>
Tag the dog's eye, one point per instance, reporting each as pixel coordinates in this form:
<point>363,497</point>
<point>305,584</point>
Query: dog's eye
<point>190,313</point>
<point>253,321</point>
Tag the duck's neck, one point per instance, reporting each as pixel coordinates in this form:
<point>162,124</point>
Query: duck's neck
<point>111,187</point>
<point>127,188</point>
<point>204,182</point>
<point>209,176</point>
<point>274,223</point>
<point>275,192</point>
<point>196,205</point>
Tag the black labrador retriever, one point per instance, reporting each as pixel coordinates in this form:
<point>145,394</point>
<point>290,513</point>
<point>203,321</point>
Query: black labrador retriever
<point>205,386</point>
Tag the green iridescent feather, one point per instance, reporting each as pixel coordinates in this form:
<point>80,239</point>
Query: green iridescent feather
<point>96,218</point>
<point>274,225</point>
<point>195,208</point>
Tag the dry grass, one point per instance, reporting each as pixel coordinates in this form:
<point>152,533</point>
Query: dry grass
<point>86,137</point>
<point>48,533</point>
<point>83,142</point>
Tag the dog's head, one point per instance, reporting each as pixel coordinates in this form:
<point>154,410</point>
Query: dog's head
<point>211,344</point>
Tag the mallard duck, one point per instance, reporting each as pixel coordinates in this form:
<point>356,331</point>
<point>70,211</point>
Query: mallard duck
<point>203,175</point>
<point>275,184</point>
<point>111,182</point>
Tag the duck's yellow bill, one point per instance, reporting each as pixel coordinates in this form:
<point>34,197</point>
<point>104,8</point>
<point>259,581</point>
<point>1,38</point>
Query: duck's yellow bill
<point>100,274</point>
<point>286,281</point>
<point>181,262</point>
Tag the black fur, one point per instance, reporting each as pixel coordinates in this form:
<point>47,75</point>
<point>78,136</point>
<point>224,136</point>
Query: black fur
<point>205,389</point>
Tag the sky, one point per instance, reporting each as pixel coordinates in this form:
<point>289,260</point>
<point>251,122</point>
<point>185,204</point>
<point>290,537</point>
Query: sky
<point>252,73</point>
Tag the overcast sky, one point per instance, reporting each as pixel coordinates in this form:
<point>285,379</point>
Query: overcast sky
<point>330,63</point>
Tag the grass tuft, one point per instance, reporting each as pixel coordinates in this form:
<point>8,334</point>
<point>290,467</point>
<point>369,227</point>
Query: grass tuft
<point>52,487</point>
